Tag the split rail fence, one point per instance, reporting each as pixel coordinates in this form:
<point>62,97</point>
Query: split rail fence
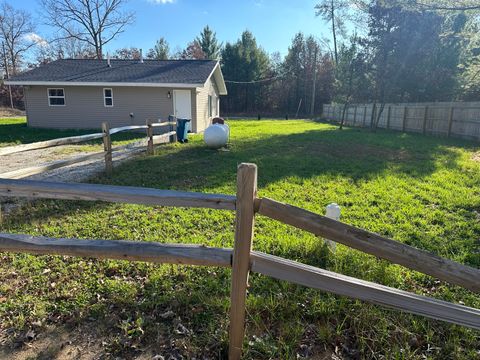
<point>455,119</point>
<point>242,259</point>
<point>107,152</point>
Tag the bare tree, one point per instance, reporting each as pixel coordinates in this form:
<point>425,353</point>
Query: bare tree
<point>335,12</point>
<point>63,48</point>
<point>127,53</point>
<point>17,35</point>
<point>94,22</point>
<point>192,51</point>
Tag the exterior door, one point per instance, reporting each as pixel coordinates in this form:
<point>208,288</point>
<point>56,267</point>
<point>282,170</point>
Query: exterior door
<point>182,104</point>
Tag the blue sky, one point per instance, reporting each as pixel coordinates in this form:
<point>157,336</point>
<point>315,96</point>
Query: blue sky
<point>273,22</point>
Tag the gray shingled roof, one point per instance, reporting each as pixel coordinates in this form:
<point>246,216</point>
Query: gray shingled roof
<point>121,71</point>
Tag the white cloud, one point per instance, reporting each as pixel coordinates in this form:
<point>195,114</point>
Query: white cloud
<point>37,39</point>
<point>163,2</point>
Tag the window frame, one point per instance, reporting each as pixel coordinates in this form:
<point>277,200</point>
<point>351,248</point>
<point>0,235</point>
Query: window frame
<point>210,105</point>
<point>56,97</point>
<point>107,97</point>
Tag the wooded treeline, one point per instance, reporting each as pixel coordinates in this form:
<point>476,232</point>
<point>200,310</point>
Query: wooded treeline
<point>374,51</point>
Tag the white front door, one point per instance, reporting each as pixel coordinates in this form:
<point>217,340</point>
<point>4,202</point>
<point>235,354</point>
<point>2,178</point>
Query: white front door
<point>182,104</point>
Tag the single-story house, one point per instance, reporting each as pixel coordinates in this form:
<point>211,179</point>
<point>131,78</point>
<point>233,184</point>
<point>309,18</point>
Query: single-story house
<point>83,93</point>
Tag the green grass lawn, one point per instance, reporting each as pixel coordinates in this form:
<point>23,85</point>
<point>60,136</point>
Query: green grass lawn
<point>14,131</point>
<point>422,191</point>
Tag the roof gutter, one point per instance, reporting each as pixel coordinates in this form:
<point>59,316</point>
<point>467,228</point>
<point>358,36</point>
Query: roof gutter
<point>106,84</point>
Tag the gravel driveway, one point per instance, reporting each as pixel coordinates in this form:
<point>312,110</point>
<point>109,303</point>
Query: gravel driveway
<point>73,173</point>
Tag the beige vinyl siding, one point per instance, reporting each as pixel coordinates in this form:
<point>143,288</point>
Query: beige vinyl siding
<point>84,107</point>
<point>203,120</point>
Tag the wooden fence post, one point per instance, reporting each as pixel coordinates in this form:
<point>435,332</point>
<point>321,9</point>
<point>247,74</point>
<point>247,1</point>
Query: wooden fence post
<point>404,122</point>
<point>364,116</point>
<point>173,127</point>
<point>389,113</point>
<point>374,115</point>
<point>150,150</point>
<point>425,115</point>
<point>244,222</point>
<point>450,121</point>
<point>173,138</point>
<point>107,147</point>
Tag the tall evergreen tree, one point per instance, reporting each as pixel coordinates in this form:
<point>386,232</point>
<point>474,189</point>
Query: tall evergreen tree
<point>244,62</point>
<point>303,62</point>
<point>161,50</point>
<point>209,43</point>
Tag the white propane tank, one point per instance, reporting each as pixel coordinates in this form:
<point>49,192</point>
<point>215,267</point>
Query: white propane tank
<point>216,136</point>
<point>227,129</point>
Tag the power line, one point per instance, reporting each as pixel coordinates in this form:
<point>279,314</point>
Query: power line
<point>257,81</point>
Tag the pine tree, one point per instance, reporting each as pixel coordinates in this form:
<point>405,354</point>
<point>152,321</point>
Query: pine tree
<point>209,43</point>
<point>161,50</point>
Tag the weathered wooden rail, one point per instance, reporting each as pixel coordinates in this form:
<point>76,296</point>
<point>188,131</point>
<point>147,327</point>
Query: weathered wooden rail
<point>241,258</point>
<point>373,244</point>
<point>106,133</point>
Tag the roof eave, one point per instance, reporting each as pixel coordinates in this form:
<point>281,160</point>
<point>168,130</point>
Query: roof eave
<point>217,73</point>
<point>111,84</point>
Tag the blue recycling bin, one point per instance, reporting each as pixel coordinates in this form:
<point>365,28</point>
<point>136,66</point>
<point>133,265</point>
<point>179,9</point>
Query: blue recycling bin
<point>183,127</point>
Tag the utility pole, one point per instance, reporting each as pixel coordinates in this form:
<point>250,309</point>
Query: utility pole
<point>6,73</point>
<point>312,103</point>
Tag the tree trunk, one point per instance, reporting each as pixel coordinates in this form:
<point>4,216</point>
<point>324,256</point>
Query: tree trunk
<point>378,116</point>
<point>334,33</point>
<point>345,106</point>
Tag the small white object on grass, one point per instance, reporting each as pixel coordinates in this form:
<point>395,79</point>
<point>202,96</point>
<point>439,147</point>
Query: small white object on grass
<point>332,212</point>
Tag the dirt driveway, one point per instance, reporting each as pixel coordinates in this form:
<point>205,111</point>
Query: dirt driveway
<point>73,173</point>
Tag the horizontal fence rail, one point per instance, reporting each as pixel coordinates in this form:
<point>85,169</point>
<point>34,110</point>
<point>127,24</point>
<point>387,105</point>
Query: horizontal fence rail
<point>107,153</point>
<point>140,127</point>
<point>158,139</point>
<point>372,243</point>
<point>119,250</point>
<point>115,194</point>
<point>241,259</point>
<point>33,170</point>
<point>269,265</point>
<point>74,139</point>
<point>325,280</point>
<point>49,143</point>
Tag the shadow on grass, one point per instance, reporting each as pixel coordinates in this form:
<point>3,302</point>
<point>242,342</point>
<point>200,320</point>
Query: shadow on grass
<point>355,154</point>
<point>20,133</point>
<point>350,153</point>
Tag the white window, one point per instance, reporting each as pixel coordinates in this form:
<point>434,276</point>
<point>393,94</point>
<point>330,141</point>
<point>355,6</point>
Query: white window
<point>108,97</point>
<point>210,106</point>
<point>56,97</point>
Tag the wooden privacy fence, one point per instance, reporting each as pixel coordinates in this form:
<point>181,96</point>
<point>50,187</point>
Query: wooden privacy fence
<point>106,133</point>
<point>455,119</point>
<point>242,259</point>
